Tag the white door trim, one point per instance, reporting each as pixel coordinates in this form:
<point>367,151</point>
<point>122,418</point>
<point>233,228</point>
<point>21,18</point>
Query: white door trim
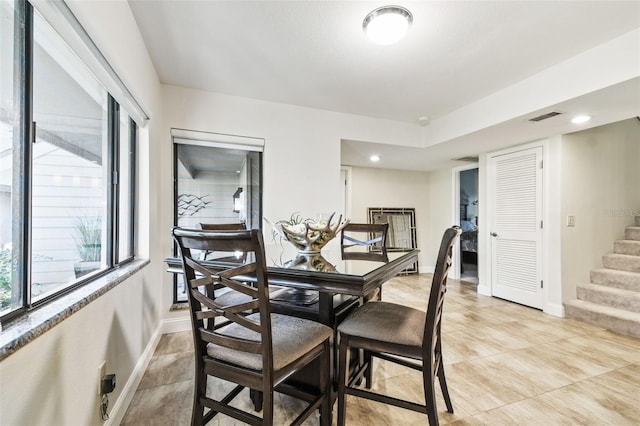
<point>455,200</point>
<point>551,262</point>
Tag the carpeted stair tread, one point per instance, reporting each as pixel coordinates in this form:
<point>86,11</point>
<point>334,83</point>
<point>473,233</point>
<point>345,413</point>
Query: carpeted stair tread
<point>618,320</point>
<point>632,233</point>
<point>630,247</point>
<point>623,262</point>
<point>615,278</point>
<point>628,300</point>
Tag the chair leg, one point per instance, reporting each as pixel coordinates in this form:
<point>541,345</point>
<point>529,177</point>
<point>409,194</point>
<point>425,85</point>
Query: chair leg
<point>256,398</point>
<point>443,387</point>
<point>430,395</point>
<point>326,385</point>
<point>267,407</point>
<point>199,389</point>
<point>368,374</point>
<point>342,378</point>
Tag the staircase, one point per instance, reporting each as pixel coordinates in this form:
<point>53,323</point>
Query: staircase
<point>612,299</point>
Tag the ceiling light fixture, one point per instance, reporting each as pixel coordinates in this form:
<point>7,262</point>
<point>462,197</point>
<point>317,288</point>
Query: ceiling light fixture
<point>374,158</point>
<point>579,119</point>
<point>387,24</point>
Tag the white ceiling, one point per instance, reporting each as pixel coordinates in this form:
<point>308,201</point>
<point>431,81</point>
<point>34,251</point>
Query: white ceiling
<point>314,54</point>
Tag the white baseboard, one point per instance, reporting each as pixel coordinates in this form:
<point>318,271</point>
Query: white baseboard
<point>484,290</point>
<point>175,325</point>
<point>119,409</point>
<point>557,310</point>
<point>426,269</point>
<point>126,396</point>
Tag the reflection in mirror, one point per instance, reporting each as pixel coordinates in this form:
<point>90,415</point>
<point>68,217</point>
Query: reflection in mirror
<point>217,181</point>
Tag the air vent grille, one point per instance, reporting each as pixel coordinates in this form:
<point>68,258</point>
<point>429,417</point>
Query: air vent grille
<point>468,159</point>
<point>545,116</point>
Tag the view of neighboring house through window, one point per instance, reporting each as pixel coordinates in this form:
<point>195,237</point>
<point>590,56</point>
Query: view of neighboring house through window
<point>67,153</point>
<point>216,182</point>
<point>70,170</point>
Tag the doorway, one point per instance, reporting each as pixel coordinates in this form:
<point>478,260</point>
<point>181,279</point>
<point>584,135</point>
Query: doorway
<point>468,221</point>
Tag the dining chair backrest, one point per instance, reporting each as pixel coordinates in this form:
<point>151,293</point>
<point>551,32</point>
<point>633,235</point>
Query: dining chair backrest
<point>205,284</point>
<point>364,241</point>
<point>431,340</point>
<point>223,226</point>
<point>251,347</point>
<point>226,256</point>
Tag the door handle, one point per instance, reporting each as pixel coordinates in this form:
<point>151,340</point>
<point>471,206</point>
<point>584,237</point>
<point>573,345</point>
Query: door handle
<point>493,234</point>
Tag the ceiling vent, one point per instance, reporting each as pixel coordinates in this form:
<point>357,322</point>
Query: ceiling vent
<point>469,159</point>
<point>545,116</point>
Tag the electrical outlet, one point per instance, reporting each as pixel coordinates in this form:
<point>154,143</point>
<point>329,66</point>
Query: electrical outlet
<point>571,221</point>
<point>102,371</point>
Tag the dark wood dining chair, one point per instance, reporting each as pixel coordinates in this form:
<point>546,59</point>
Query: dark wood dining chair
<point>223,226</point>
<point>364,241</point>
<point>224,257</point>
<point>399,334</point>
<point>258,351</point>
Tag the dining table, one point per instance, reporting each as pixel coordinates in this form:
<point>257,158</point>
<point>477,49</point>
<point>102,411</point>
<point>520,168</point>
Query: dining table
<point>326,294</point>
<point>323,295</point>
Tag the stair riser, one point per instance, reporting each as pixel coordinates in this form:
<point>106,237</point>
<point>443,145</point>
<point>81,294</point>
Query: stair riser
<point>631,264</point>
<point>632,233</point>
<point>615,279</point>
<point>637,220</point>
<point>613,300</point>
<point>627,247</point>
<point>619,325</point>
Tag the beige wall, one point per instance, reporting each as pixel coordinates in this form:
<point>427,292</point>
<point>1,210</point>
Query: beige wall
<point>301,161</point>
<point>53,380</point>
<point>441,212</point>
<point>430,193</point>
<point>601,188</point>
<point>393,188</point>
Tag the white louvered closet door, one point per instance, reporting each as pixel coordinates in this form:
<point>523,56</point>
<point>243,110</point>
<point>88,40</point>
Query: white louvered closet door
<point>516,228</point>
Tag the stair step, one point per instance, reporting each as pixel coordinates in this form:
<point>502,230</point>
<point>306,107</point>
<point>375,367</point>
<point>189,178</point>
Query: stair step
<point>613,319</point>
<point>632,233</point>
<point>628,300</point>
<point>623,262</point>
<point>631,247</point>
<point>614,278</point>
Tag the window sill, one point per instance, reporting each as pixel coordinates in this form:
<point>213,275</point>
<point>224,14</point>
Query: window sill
<point>23,330</point>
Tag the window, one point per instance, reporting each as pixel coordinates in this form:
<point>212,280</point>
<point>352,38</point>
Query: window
<point>218,179</point>
<point>67,158</point>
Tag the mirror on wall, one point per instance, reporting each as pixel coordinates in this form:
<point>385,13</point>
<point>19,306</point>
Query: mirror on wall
<point>402,229</point>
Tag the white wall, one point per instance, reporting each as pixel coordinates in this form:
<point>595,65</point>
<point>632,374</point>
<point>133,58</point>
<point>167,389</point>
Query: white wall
<point>601,188</point>
<point>441,195</point>
<point>53,379</point>
<point>393,188</point>
<point>301,162</point>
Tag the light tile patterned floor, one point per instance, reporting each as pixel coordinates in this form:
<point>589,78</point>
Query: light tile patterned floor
<point>506,364</point>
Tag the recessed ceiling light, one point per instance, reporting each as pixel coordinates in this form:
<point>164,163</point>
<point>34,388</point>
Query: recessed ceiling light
<point>387,24</point>
<point>374,158</point>
<point>424,120</point>
<point>579,119</point>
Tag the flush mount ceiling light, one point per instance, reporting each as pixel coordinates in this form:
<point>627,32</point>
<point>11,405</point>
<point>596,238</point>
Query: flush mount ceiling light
<point>374,158</point>
<point>387,24</point>
<point>579,119</point>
